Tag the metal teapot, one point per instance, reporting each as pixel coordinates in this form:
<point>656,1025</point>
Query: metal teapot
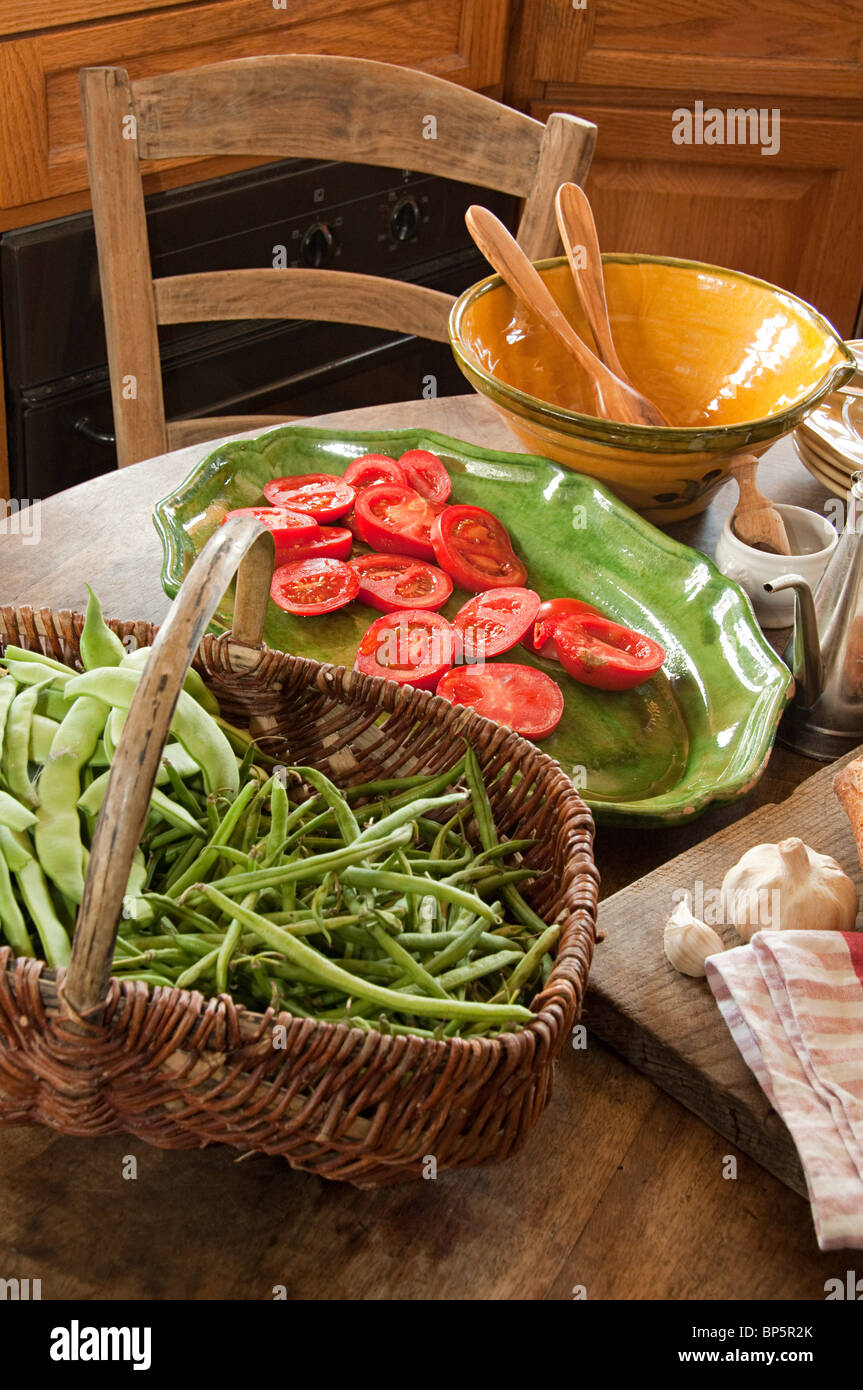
<point>825,653</point>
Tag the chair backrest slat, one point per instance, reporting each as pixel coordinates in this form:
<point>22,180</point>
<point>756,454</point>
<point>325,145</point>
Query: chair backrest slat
<point>317,107</point>
<point>299,294</point>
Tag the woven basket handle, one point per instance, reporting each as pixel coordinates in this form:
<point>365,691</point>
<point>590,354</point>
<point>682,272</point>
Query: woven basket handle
<point>240,544</point>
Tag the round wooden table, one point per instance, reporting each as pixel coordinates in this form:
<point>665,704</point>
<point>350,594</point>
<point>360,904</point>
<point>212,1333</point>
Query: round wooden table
<point>621,1190</point>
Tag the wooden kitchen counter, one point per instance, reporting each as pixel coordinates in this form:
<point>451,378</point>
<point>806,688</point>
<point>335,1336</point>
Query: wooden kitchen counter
<point>619,1190</point>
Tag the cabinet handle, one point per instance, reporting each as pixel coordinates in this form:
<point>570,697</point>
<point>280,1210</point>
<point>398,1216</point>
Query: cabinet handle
<point>84,426</point>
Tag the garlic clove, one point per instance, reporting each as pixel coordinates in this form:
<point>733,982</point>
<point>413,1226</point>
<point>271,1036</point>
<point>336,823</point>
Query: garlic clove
<point>689,941</point>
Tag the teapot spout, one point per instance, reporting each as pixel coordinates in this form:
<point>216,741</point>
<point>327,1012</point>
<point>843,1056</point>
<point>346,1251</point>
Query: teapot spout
<point>808,661</point>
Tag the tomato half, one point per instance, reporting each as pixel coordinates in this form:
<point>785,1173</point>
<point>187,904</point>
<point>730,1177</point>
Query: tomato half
<point>552,610</point>
<point>474,547</point>
<point>412,647</point>
<point>371,469</point>
<point>332,541</point>
<point>390,582</point>
<point>395,519</point>
<point>527,700</point>
<point>288,528</point>
<point>425,473</point>
<point>318,494</point>
<point>309,587</point>
<point>598,652</point>
<point>494,621</point>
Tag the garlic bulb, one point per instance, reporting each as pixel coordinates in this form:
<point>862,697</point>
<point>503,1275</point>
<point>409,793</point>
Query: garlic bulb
<point>688,941</point>
<point>788,885</point>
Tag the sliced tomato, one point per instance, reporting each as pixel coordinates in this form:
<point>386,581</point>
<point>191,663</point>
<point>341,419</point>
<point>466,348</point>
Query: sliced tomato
<point>474,547</point>
<point>598,652</point>
<point>425,473</point>
<point>552,610</point>
<point>374,468</point>
<point>309,587</point>
<point>288,528</point>
<point>396,519</point>
<point>494,621</point>
<point>412,647</point>
<point>332,541</point>
<point>527,700</point>
<point>320,495</point>
<point>390,582</point>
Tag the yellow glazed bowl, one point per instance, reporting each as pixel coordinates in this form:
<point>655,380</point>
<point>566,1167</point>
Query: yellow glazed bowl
<point>733,362</point>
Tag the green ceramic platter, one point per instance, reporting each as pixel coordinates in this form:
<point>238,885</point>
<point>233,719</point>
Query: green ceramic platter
<point>700,731</point>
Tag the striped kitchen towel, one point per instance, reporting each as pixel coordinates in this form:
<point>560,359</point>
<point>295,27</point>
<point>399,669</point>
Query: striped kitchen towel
<point>793,1001</point>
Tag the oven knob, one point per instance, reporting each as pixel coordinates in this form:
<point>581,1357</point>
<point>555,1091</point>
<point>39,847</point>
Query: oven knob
<point>317,246</point>
<point>405,219</point>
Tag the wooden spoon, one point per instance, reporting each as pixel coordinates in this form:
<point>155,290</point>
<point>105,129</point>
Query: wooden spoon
<point>613,399</point>
<point>578,233</point>
<point>755,521</point>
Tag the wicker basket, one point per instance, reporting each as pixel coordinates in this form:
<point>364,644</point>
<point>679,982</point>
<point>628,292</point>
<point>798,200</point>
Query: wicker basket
<point>85,1055</point>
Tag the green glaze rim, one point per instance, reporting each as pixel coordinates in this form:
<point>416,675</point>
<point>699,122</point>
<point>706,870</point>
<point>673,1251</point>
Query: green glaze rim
<point>652,439</point>
<point>659,810</point>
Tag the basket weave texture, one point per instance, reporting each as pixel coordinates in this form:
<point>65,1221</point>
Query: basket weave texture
<point>181,1071</point>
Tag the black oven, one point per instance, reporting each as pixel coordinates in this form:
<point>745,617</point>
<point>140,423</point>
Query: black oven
<point>377,221</point>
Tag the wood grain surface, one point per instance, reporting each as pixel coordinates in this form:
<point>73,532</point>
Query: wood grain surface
<point>668,1025</point>
<point>620,1190</point>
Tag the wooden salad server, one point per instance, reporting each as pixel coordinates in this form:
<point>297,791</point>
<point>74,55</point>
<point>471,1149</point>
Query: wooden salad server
<point>577,229</point>
<point>613,399</point>
<point>755,521</point>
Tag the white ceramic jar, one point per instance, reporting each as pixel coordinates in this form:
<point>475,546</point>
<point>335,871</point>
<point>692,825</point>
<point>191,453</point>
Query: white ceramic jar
<point>813,537</point>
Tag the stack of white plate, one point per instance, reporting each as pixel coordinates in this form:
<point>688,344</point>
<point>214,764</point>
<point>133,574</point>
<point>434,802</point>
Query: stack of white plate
<point>830,440</point>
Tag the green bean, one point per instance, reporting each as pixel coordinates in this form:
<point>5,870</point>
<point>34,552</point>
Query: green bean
<point>135,904</point>
<point>146,977</point>
<point>175,814</point>
<point>314,868</point>
<point>409,966</point>
<point>476,969</point>
<point>489,837</point>
<point>17,745</point>
<point>195,729</point>
<point>345,818</point>
<point>24,654</point>
<point>530,962</point>
<point>58,829</point>
<point>39,672</point>
<point>11,917</point>
<point>99,646</point>
<point>202,861</point>
<point>181,791</point>
<point>404,814</point>
<point>183,764</point>
<point>401,883</point>
<point>199,968</point>
<point>224,954</point>
<point>13,814</point>
<point>193,683</point>
<point>8,691</point>
<point>53,704</point>
<point>331,975</point>
<point>456,949</point>
<point>18,854</point>
<point>279,811</point>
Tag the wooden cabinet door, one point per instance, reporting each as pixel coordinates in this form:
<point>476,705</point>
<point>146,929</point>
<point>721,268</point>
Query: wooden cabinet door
<point>41,136</point>
<point>772,47</point>
<point>794,218</point>
<point>21,16</point>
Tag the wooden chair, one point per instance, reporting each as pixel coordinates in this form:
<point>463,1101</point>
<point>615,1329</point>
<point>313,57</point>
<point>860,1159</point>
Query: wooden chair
<point>300,105</point>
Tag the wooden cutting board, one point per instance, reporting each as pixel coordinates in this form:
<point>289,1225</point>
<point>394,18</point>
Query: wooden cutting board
<point>668,1025</point>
